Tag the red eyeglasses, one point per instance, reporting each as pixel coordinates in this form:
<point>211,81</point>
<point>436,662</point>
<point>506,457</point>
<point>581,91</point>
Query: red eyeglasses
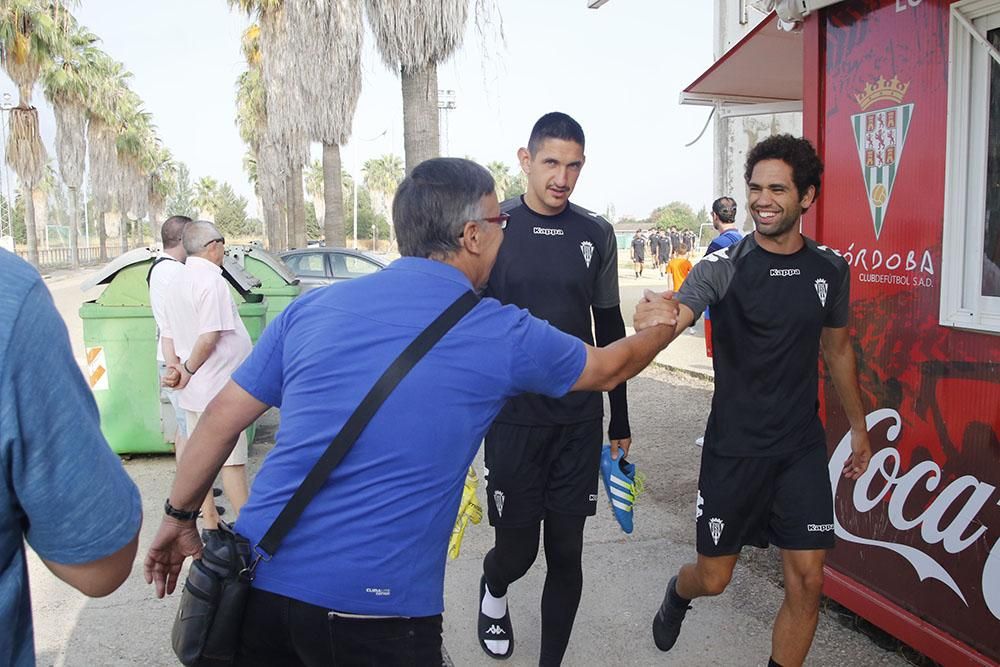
<point>497,220</point>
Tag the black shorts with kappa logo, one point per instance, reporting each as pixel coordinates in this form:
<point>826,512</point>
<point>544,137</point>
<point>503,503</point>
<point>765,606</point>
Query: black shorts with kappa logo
<point>531,470</point>
<point>783,500</point>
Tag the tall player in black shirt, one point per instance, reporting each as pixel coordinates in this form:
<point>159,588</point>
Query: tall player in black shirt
<point>560,262</point>
<point>777,297</point>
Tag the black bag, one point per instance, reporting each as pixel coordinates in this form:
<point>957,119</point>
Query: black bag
<point>209,619</point>
<point>207,627</point>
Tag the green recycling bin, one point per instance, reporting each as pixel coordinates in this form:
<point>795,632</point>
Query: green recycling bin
<point>277,283</point>
<point>119,334</point>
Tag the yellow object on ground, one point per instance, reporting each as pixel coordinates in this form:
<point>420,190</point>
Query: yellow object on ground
<point>468,510</point>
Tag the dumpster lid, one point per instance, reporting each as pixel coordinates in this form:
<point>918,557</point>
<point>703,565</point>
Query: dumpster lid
<point>237,276</point>
<point>120,262</point>
<point>238,252</point>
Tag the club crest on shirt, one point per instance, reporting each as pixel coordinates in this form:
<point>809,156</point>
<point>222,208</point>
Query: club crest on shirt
<point>587,248</point>
<point>498,502</point>
<point>821,290</point>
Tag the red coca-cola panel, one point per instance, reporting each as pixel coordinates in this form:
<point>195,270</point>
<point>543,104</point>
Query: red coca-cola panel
<point>920,532</point>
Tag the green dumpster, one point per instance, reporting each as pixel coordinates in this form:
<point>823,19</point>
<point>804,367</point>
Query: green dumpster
<point>277,282</point>
<point>120,339</point>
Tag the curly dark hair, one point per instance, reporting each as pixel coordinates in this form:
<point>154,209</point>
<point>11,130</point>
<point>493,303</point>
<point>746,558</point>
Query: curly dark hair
<point>796,152</point>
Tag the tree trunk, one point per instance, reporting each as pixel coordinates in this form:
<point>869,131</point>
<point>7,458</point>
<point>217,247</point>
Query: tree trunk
<point>29,226</point>
<point>333,198</point>
<point>102,236</point>
<point>420,115</point>
<point>288,211</point>
<point>41,204</point>
<point>297,206</point>
<point>271,210</point>
<point>74,232</point>
<point>123,233</point>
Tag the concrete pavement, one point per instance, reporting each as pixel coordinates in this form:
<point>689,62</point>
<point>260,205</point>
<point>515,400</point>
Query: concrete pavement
<point>624,574</point>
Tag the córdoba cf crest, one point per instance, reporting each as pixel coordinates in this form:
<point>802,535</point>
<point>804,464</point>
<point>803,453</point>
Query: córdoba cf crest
<point>880,136</point>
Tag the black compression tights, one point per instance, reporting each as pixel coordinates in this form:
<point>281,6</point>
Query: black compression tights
<point>515,551</point>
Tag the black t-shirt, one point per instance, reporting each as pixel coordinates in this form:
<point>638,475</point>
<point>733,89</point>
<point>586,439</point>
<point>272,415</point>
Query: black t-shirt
<point>638,247</point>
<point>768,312</point>
<point>558,267</point>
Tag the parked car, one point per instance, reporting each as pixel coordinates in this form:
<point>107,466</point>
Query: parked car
<point>319,266</point>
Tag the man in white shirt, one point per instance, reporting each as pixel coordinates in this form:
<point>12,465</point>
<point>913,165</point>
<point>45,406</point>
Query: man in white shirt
<point>204,341</point>
<point>160,277</point>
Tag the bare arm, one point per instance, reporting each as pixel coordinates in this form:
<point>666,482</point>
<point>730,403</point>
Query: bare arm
<point>231,411</point>
<point>840,360</point>
<point>99,577</point>
<point>204,346</point>
<point>609,366</point>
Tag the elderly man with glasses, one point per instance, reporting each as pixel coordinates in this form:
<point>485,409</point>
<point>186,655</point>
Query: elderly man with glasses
<point>204,341</point>
<point>359,579</point>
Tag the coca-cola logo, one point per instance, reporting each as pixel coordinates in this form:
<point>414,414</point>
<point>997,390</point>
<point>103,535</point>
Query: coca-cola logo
<point>884,478</point>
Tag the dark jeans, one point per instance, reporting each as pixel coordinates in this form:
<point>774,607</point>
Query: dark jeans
<point>281,631</point>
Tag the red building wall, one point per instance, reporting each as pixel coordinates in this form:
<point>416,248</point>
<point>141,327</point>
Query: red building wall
<point>921,531</point>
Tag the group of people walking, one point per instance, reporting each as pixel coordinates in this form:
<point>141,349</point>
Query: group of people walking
<point>359,579</point>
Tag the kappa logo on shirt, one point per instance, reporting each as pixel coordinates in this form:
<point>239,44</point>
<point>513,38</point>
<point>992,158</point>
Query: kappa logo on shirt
<point>587,248</point>
<point>547,231</point>
<point>785,273</point>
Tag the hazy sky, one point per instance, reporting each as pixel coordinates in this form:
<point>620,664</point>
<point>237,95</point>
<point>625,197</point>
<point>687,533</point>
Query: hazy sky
<point>618,70</point>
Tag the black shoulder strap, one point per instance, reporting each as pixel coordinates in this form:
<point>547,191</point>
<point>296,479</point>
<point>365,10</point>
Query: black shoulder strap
<point>162,258</point>
<point>357,422</point>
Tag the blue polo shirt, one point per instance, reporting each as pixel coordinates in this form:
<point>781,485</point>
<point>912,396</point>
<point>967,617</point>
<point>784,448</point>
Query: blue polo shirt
<point>62,489</point>
<point>374,540</point>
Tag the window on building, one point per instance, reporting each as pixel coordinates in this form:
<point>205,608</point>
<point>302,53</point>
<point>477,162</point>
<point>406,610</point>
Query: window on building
<point>970,281</point>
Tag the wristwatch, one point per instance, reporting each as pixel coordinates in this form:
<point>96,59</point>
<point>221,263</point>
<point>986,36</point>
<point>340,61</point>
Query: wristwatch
<point>180,515</point>
<point>186,369</point>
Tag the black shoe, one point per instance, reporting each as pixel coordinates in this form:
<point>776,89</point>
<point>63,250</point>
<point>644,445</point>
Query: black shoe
<point>494,629</point>
<point>667,622</point>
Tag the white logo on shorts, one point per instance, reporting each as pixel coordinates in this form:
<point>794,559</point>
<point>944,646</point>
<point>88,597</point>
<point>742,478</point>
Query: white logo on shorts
<point>587,248</point>
<point>715,526</point>
<point>498,502</point>
<point>698,505</point>
<point>819,527</point>
<point>593,497</point>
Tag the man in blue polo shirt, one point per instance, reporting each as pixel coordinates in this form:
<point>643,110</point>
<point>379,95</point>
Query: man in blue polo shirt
<point>61,488</point>
<point>360,578</point>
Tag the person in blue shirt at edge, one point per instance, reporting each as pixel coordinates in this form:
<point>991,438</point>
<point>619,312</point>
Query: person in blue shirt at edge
<point>62,489</point>
<point>360,578</point>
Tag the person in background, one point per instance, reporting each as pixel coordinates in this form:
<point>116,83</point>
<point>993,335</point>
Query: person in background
<point>678,267</point>
<point>204,341</point>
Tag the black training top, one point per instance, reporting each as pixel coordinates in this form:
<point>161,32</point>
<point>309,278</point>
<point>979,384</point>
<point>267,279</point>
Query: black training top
<point>768,312</point>
<point>558,267</point>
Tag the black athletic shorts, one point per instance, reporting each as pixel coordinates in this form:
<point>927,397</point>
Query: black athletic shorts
<point>782,500</point>
<point>534,469</point>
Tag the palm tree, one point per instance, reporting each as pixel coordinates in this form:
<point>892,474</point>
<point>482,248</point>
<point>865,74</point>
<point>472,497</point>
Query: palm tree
<point>501,176</point>
<point>251,119</point>
<point>329,35</point>
<point>67,81</point>
<point>205,191</point>
<point>104,171</point>
<point>382,176</point>
<point>29,35</point>
<point>285,142</point>
<point>413,36</point>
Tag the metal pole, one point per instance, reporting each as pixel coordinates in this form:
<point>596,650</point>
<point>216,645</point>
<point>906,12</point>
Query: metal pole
<point>354,169</point>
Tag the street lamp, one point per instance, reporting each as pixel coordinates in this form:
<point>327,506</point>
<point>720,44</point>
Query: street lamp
<point>446,103</point>
<point>355,169</point>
